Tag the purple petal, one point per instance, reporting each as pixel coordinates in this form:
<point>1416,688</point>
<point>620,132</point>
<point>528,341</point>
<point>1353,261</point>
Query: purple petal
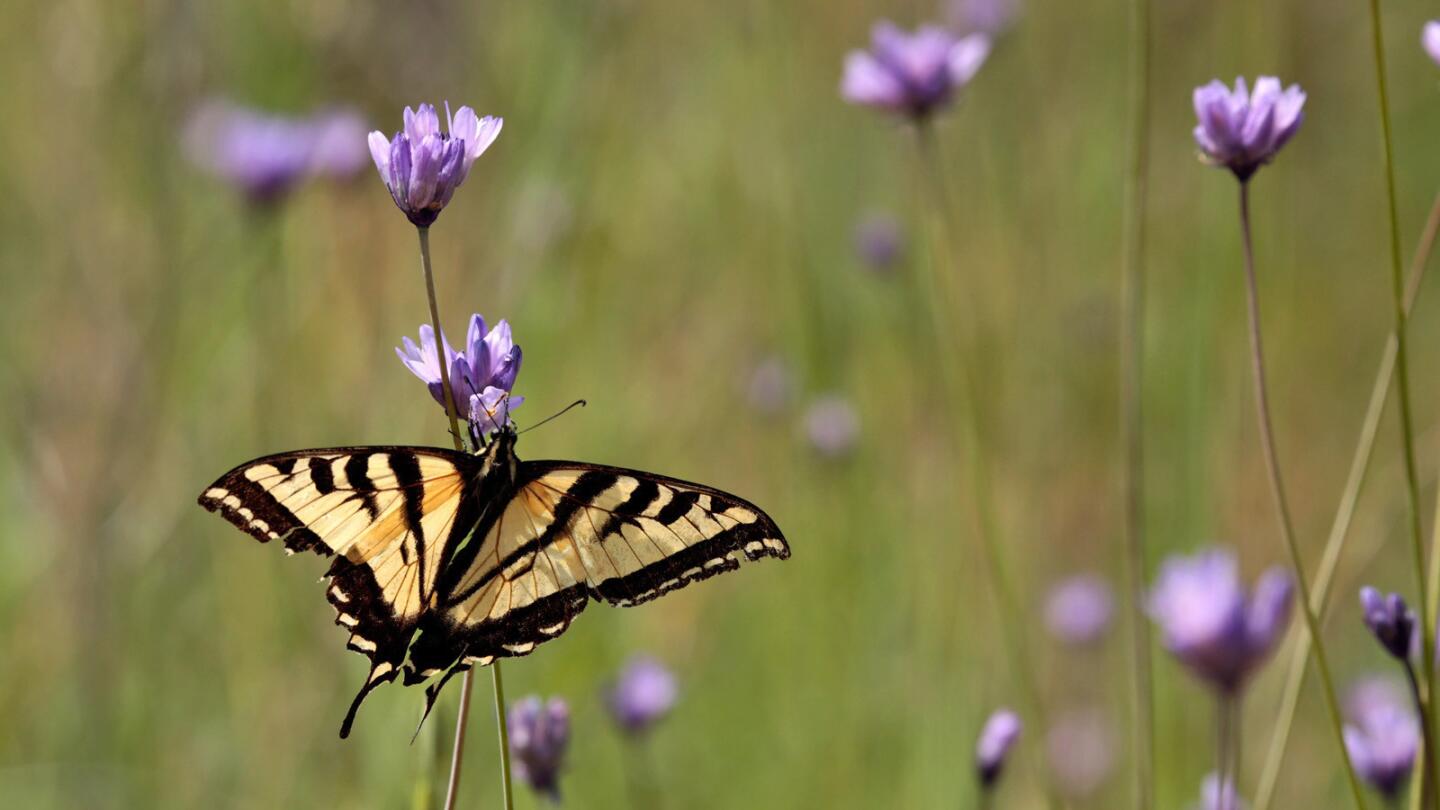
<point>867,81</point>
<point>966,57</point>
<point>1430,39</point>
<point>380,153</point>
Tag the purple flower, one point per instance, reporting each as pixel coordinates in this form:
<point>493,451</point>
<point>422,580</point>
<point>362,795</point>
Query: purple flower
<point>912,74</point>
<point>481,377</point>
<point>832,426</point>
<point>1242,131</point>
<point>1430,38</point>
<point>999,735</point>
<point>1215,796</point>
<point>339,144</point>
<point>539,735</point>
<point>422,166</point>
<point>264,156</point>
<point>644,693</point>
<point>1382,737</point>
<point>770,385</point>
<point>1078,609</point>
<point>879,242</point>
<point>1391,620</point>
<point>1080,749</point>
<point>1211,624</point>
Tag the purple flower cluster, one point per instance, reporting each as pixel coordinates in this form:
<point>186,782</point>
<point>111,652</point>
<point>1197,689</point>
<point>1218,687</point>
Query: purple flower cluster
<point>643,694</point>
<point>423,166</point>
<point>1079,609</point>
<point>1211,624</point>
<point>266,156</point>
<point>539,736</point>
<point>481,376</point>
<point>912,74</point>
<point>1391,620</point>
<point>1430,39</point>
<point>999,734</point>
<point>1243,130</point>
<point>1382,736</point>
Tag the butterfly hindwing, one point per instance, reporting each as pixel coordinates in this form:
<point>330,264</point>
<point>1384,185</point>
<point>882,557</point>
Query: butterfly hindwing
<point>570,532</point>
<point>386,514</point>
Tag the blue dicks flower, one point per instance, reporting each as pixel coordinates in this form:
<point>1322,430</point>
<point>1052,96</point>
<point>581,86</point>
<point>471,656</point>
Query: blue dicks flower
<point>539,735</point>
<point>879,242</point>
<point>1078,609</point>
<point>997,737</point>
<point>1382,737</point>
<point>643,694</point>
<point>1215,795</point>
<point>481,376</point>
<point>1430,39</point>
<point>832,426</point>
<point>912,74</point>
<point>1242,130</point>
<point>422,166</point>
<point>1391,620</point>
<point>1211,624</point>
<point>264,156</point>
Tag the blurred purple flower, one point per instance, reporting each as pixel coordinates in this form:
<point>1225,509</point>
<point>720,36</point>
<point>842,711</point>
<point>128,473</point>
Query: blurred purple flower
<point>642,695</point>
<point>832,425</point>
<point>992,748</point>
<point>1080,748</point>
<point>1214,796</point>
<point>879,242</point>
<point>912,74</point>
<point>539,735</point>
<point>770,386</point>
<point>989,17</point>
<point>264,156</point>
<point>1391,620</point>
<point>422,166</point>
<point>481,376</point>
<point>1382,737</point>
<point>1079,609</point>
<point>1430,38</point>
<point>339,147</point>
<point>1209,622</point>
<point>1242,131</point>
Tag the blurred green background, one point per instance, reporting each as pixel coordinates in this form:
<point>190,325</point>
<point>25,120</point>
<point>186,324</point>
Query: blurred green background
<point>671,203</point>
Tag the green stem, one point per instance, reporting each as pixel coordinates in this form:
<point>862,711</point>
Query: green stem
<point>1427,787</point>
<point>1132,353</point>
<point>1402,376</point>
<point>452,788</point>
<point>1222,747</point>
<point>1340,527</point>
<point>958,381</point>
<point>1277,487</point>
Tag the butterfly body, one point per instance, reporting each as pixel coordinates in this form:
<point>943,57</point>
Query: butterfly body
<point>445,560</point>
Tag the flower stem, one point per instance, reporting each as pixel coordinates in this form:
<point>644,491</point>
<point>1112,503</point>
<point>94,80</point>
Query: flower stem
<point>452,788</point>
<point>1222,747</point>
<point>1132,349</point>
<point>957,379</point>
<point>1277,487</point>
<point>1340,527</point>
<point>1427,786</point>
<point>1402,376</point>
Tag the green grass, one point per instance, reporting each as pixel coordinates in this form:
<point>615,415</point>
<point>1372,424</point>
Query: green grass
<point>671,200</point>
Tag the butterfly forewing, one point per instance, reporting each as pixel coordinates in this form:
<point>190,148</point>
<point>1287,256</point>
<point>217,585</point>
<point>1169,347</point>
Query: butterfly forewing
<point>387,514</point>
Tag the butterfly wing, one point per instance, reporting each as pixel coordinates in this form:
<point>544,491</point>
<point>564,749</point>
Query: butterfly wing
<point>573,531</point>
<point>388,516</point>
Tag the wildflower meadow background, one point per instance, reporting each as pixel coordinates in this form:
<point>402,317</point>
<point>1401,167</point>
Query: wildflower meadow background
<point>685,223</point>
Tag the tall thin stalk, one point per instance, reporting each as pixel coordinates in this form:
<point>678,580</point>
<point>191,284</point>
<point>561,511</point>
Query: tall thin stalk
<point>1132,348</point>
<point>1402,376</point>
<point>452,786</point>
<point>957,379</point>
<point>1277,487</point>
<point>1340,527</point>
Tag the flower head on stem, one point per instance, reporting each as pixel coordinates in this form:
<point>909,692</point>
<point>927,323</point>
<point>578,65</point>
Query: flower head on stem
<point>1382,737</point>
<point>422,166</point>
<point>643,694</point>
<point>1243,130</point>
<point>997,737</point>
<point>481,376</point>
<point>539,735</point>
<point>912,74</point>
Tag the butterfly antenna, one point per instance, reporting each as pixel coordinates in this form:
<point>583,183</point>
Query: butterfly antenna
<point>577,403</point>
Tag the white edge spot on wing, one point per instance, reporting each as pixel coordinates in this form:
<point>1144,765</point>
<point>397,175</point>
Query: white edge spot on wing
<point>340,596</point>
<point>362,644</point>
<point>216,493</point>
